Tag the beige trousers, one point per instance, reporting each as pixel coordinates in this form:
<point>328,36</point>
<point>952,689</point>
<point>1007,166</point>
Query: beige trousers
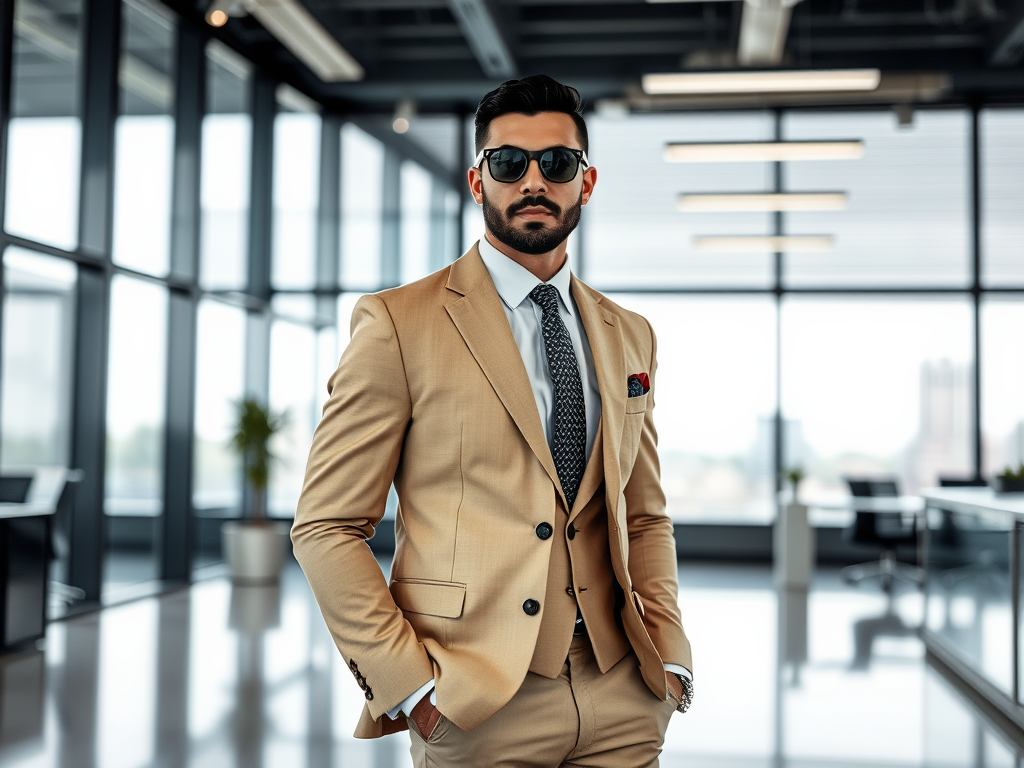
<point>581,718</point>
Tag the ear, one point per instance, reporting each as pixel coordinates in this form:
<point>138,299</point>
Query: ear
<point>589,181</point>
<point>476,184</point>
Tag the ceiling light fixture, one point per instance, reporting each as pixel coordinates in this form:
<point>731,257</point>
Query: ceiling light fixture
<point>762,151</point>
<point>763,244</point>
<point>778,81</point>
<point>762,201</point>
<point>405,111</point>
<point>218,12</point>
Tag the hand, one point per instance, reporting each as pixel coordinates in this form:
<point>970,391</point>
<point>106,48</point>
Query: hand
<point>425,715</point>
<point>675,685</point>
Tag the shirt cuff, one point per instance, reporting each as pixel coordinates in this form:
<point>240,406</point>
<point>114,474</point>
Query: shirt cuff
<point>407,705</point>
<point>679,670</point>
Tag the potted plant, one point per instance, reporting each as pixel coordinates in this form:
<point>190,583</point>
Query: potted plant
<point>254,548</point>
<point>794,475</point>
<point>1009,480</point>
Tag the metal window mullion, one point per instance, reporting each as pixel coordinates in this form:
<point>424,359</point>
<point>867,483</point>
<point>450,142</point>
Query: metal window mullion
<point>391,235</point>
<point>99,95</point>
<point>976,291</point>
<point>176,531</point>
<point>328,233</point>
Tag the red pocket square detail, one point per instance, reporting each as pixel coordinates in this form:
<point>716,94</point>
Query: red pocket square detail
<point>644,380</point>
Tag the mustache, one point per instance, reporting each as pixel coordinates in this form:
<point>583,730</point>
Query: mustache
<point>534,201</point>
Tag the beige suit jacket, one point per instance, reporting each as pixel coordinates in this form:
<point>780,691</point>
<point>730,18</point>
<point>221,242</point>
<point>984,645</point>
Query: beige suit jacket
<point>432,394</point>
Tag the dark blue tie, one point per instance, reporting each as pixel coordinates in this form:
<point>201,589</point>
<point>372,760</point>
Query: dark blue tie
<point>569,438</point>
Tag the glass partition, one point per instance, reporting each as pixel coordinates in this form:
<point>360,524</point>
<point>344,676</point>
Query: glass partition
<point>635,234</point>
<point>876,387</point>
<point>906,217</point>
<point>296,194</point>
<point>1002,384</point>
<point>38,353</point>
<point>144,142</point>
<point>1002,188</point>
<point>226,159</point>
<point>362,179</point>
<point>136,385</point>
<point>45,130</point>
<point>715,404</point>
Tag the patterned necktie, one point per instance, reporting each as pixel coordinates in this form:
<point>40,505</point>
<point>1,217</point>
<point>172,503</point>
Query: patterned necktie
<point>569,439</point>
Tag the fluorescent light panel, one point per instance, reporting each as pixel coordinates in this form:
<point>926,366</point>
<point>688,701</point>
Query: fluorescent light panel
<point>783,201</point>
<point>763,151</point>
<point>763,244</point>
<point>781,81</point>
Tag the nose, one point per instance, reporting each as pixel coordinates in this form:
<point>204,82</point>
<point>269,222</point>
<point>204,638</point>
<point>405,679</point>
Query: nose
<point>533,181</point>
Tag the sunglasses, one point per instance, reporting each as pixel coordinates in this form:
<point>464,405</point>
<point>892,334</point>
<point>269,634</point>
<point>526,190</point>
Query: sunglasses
<point>509,164</point>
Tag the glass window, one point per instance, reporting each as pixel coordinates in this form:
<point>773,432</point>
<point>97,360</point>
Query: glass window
<point>635,234</point>
<point>362,176</point>
<point>136,385</point>
<point>415,221</point>
<point>906,216</point>
<point>1002,384</point>
<point>296,195</point>
<point>144,143</point>
<point>220,383</point>
<point>45,132</point>
<point>438,135</point>
<point>38,355</point>
<point>1002,206</point>
<point>715,404</point>
<point>294,365</point>
<point>877,387</point>
<point>227,154</point>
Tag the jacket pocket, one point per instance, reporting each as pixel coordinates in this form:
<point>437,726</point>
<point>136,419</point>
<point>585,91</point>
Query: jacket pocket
<point>433,598</point>
<point>637,404</point>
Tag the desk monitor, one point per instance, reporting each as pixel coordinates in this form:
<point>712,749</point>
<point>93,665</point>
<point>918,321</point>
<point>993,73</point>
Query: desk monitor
<point>14,488</point>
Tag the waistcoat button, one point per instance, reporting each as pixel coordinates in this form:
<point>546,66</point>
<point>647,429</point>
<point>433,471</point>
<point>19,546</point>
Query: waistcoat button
<point>571,533</point>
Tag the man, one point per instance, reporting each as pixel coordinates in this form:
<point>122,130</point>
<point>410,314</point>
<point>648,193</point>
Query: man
<point>531,617</point>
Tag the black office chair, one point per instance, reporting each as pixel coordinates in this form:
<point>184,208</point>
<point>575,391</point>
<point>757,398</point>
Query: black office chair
<point>60,534</point>
<point>887,530</point>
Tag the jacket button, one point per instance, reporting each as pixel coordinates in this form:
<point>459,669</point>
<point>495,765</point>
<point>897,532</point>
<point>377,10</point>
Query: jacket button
<point>544,531</point>
<point>369,695</point>
<point>571,533</point>
<point>530,607</point>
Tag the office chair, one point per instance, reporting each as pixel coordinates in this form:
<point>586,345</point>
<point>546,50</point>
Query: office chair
<point>14,488</point>
<point>60,529</point>
<point>886,530</point>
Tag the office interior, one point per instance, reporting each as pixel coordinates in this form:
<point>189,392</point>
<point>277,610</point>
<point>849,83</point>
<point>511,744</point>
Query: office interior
<point>192,203</point>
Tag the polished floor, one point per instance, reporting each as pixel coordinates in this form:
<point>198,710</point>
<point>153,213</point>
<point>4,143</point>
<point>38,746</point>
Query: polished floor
<point>247,676</point>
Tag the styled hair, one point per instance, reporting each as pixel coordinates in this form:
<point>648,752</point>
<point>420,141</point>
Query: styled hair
<point>530,96</point>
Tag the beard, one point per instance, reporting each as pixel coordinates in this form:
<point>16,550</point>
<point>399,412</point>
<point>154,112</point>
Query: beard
<point>538,237</point>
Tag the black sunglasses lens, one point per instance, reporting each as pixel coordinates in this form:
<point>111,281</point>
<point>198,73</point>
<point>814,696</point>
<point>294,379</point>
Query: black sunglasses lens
<point>559,165</point>
<point>507,164</point>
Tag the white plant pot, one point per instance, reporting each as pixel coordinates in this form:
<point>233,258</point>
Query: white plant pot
<point>254,551</point>
<point>794,553</point>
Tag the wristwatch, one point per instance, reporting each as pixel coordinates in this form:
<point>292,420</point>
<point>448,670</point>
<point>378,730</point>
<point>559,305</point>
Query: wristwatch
<point>687,697</point>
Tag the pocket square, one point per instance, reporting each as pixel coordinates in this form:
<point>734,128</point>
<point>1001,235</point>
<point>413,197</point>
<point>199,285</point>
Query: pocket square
<point>639,384</point>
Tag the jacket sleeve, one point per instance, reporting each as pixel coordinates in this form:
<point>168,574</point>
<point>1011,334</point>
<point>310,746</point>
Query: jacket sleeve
<point>355,452</point>
<point>653,566</point>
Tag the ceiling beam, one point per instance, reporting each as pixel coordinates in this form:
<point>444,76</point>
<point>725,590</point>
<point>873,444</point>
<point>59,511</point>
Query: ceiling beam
<point>1009,48</point>
<point>763,31</point>
<point>480,28</point>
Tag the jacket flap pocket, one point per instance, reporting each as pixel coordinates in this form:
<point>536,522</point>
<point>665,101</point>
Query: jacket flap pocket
<point>433,598</point>
<point>637,404</point>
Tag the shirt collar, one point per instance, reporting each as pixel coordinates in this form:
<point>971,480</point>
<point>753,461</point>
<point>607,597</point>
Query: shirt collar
<point>514,282</point>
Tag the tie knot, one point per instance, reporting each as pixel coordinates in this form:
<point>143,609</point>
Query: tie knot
<point>546,297</point>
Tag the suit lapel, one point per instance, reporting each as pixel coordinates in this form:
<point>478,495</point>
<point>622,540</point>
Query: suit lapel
<point>479,317</point>
<point>605,339</point>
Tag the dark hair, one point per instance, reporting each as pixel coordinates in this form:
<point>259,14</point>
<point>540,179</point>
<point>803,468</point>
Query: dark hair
<point>530,96</point>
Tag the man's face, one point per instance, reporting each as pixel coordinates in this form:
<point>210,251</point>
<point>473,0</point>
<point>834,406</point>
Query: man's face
<point>532,215</point>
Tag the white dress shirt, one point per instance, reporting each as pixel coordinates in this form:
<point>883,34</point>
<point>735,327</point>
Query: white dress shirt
<point>514,283</point>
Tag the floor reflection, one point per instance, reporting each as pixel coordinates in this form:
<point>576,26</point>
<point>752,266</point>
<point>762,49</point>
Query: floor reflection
<point>248,676</point>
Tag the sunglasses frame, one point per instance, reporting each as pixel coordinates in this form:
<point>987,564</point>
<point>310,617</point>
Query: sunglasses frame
<point>531,155</point>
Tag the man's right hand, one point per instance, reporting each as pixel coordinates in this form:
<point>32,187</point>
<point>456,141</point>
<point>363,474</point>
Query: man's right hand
<point>425,715</point>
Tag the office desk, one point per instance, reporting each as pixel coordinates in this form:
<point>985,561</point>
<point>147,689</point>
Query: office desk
<point>972,561</point>
<point>24,565</point>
